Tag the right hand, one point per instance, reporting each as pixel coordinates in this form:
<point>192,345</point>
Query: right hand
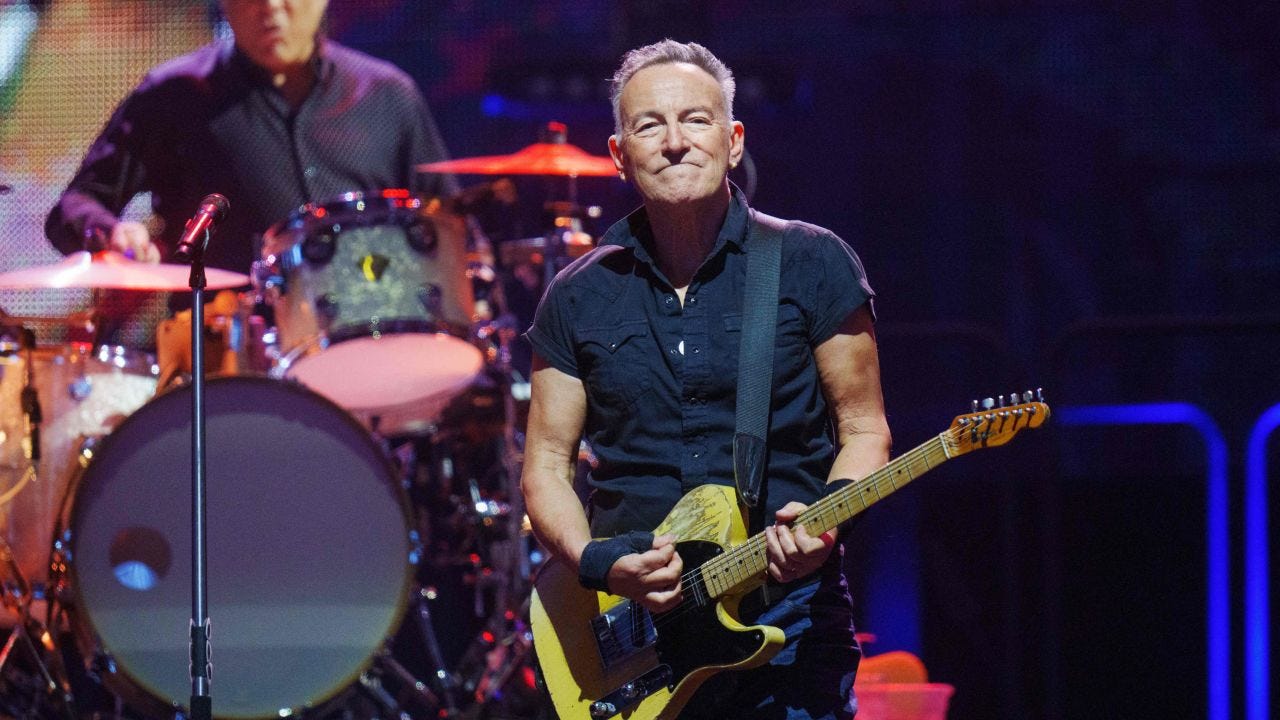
<point>132,239</point>
<point>651,578</point>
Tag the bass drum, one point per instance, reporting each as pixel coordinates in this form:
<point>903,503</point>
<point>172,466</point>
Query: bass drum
<point>310,554</point>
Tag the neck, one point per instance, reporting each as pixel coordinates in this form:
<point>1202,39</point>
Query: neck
<point>685,233</point>
<point>294,82</point>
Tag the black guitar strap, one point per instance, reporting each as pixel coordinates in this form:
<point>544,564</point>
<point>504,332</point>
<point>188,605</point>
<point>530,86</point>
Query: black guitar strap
<point>755,356</point>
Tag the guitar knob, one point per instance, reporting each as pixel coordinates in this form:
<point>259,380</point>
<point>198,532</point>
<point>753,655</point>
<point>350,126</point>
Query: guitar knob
<point>601,709</point>
<point>630,691</point>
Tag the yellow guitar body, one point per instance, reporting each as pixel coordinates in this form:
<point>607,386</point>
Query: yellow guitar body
<point>574,668</point>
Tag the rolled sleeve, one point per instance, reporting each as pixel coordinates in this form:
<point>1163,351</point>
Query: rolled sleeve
<point>551,333</point>
<point>841,289</point>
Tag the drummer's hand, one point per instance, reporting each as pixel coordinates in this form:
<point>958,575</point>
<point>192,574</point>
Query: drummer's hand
<point>132,240</point>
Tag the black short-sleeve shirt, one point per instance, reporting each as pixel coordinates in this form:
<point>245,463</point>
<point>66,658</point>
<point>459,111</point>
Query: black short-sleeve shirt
<point>661,378</point>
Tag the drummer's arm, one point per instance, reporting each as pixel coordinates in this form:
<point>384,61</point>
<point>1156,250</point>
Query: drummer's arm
<point>86,215</point>
<point>557,411</point>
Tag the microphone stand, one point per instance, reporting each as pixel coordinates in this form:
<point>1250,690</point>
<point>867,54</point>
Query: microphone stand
<point>201,669</point>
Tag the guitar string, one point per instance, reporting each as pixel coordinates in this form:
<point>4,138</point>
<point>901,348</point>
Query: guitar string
<point>951,435</point>
<point>752,544</point>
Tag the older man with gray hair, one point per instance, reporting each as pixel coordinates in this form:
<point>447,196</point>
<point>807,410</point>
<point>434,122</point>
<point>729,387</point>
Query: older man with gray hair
<point>637,347</point>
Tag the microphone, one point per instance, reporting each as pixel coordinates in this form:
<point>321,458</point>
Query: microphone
<point>199,227</point>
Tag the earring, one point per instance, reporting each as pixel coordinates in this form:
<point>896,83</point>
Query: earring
<point>733,165</point>
<point>622,176</point>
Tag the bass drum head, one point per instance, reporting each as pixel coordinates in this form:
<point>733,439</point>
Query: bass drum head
<point>308,549</point>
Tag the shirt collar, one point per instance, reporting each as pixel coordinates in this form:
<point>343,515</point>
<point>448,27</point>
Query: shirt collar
<point>633,230</point>
<point>321,60</point>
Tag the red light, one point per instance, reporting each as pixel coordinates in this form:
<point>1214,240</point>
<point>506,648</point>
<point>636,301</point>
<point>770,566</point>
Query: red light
<point>395,193</point>
<point>321,212</point>
<point>530,680</point>
<point>487,636</point>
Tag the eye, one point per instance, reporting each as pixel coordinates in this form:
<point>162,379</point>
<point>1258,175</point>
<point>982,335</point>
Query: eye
<point>645,128</point>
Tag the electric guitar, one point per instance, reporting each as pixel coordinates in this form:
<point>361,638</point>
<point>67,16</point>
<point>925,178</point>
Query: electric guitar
<point>603,656</point>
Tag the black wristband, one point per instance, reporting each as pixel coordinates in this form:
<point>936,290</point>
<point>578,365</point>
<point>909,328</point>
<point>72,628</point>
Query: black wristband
<point>600,555</point>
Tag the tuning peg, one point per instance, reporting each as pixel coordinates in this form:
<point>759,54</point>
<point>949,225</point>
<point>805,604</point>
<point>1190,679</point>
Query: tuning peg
<point>1040,394</point>
<point>1026,396</point>
<point>988,403</point>
<point>974,406</point>
<point>1000,401</point>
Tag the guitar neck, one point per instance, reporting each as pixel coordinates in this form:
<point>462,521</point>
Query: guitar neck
<point>743,567</point>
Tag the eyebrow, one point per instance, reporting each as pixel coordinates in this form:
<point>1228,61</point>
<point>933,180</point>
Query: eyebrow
<point>708,109</point>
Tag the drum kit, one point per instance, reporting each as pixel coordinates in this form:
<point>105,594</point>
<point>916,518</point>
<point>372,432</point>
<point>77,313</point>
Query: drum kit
<point>368,554</point>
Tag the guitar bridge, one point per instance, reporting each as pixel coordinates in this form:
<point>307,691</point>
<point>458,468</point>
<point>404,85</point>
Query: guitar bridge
<point>632,692</point>
<point>622,632</point>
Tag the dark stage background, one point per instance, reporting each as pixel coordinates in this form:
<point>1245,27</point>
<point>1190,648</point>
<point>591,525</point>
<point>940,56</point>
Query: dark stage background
<point>1075,195</point>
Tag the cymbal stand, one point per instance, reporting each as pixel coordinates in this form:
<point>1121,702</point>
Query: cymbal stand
<point>426,628</point>
<point>17,597</point>
<point>505,632</point>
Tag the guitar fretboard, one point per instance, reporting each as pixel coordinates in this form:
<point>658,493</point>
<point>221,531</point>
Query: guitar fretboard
<point>743,567</point>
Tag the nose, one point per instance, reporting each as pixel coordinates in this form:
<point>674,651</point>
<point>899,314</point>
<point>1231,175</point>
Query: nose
<point>675,140</point>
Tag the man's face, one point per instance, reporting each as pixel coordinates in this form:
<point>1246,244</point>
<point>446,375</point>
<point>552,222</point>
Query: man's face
<point>677,142</point>
<point>277,35</point>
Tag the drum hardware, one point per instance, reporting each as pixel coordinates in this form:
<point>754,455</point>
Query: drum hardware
<point>16,596</point>
<point>373,305</point>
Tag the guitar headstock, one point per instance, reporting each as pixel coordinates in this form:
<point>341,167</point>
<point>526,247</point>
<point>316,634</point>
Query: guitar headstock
<point>994,422</point>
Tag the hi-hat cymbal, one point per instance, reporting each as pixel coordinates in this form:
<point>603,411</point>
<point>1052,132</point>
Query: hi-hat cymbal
<point>536,159</point>
<point>111,270</point>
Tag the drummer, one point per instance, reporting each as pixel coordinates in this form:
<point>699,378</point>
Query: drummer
<point>278,118</point>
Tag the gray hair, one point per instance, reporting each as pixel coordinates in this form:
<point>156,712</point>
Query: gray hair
<point>669,51</point>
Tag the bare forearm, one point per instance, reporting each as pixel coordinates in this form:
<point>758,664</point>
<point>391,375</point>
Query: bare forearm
<point>556,514</point>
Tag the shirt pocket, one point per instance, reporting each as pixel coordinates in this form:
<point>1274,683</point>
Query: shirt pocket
<point>614,359</point>
<point>790,340</point>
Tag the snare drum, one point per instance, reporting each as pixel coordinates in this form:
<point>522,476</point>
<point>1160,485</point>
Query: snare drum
<point>309,550</point>
<point>373,305</point>
<point>82,393</point>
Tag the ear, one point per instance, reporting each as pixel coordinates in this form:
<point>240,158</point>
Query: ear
<point>615,152</point>
<point>737,138</point>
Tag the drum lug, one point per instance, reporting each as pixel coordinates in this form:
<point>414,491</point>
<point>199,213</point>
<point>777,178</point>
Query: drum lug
<point>432,299</point>
<point>327,307</point>
<point>422,237</point>
<point>318,249</point>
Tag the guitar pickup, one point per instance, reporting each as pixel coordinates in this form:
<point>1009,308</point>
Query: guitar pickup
<point>622,632</point>
<point>632,692</point>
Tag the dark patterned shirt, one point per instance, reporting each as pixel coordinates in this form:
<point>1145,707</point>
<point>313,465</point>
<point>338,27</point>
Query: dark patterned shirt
<point>210,121</point>
<point>661,378</point>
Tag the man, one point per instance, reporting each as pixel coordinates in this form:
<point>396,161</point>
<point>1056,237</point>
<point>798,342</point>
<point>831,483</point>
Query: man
<point>636,344</point>
<point>279,118</point>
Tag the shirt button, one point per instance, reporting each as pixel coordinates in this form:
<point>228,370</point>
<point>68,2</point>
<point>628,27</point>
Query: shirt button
<point>670,299</point>
<point>310,172</point>
<point>695,351</point>
<point>692,299</point>
<point>697,454</point>
<point>672,351</point>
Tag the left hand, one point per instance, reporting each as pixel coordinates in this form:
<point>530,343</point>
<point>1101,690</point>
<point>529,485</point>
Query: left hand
<point>793,552</point>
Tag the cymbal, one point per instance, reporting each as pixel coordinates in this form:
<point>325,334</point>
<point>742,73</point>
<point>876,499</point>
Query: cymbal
<point>111,270</point>
<point>536,159</point>
<point>535,249</point>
